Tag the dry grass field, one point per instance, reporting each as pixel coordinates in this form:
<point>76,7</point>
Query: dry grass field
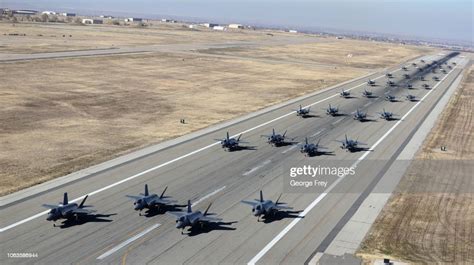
<point>62,115</point>
<point>434,227</point>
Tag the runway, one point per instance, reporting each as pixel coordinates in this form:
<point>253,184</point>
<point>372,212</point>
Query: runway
<point>201,171</point>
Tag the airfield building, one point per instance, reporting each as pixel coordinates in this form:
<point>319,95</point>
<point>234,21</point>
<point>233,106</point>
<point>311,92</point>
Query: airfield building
<point>236,26</point>
<point>89,21</point>
<point>133,19</point>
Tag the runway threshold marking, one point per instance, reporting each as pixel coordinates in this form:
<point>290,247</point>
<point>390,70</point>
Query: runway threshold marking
<point>266,162</point>
<point>128,241</point>
<point>326,192</point>
<point>3,229</point>
<point>208,196</point>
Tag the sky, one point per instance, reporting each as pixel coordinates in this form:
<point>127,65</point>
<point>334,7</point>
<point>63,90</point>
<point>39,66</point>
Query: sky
<point>434,19</point>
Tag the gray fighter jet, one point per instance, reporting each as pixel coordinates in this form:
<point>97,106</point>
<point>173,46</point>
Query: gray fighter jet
<point>66,210</point>
<point>389,75</point>
<point>435,78</point>
<point>371,82</point>
<point>360,116</point>
<point>303,112</point>
<point>345,94</point>
<point>230,144</point>
<point>404,68</point>
<point>276,139</point>
<point>390,83</point>
<point>192,219</point>
<point>407,76</point>
<point>423,61</point>
<point>310,149</point>
<point>410,97</point>
<point>386,115</point>
<point>410,86</point>
<point>265,208</point>
<point>426,86</point>
<point>350,145</point>
<point>367,94</point>
<point>333,111</point>
<point>150,201</point>
<point>390,98</point>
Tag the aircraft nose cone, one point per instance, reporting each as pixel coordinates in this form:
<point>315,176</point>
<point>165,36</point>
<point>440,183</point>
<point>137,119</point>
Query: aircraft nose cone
<point>179,225</point>
<point>49,218</point>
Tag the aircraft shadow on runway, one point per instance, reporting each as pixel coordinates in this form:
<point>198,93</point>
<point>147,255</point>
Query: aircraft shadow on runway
<point>310,116</point>
<point>322,153</point>
<point>243,148</point>
<point>92,218</point>
<point>361,149</point>
<point>280,215</point>
<point>368,120</point>
<point>163,209</point>
<point>209,227</point>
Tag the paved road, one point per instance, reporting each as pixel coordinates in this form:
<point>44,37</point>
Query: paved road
<point>201,171</point>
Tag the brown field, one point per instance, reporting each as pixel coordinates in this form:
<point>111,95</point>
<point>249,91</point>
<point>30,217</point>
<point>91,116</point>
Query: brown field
<point>437,226</point>
<point>62,115</point>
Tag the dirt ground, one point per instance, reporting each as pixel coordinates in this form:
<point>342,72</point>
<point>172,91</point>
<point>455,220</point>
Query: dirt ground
<point>62,115</point>
<point>434,224</point>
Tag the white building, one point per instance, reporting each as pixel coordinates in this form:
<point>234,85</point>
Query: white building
<point>165,20</point>
<point>236,26</point>
<point>293,31</point>
<point>68,14</point>
<point>219,28</point>
<point>48,12</point>
<point>133,19</point>
<point>90,21</point>
<point>210,25</point>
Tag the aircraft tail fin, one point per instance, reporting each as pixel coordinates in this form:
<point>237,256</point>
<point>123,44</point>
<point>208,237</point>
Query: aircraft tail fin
<point>65,200</point>
<point>83,201</point>
<point>189,207</point>
<point>238,139</point>
<point>163,193</point>
<point>207,209</point>
<point>227,135</point>
<point>306,140</point>
<point>317,144</point>
<point>284,133</point>
<point>261,196</point>
<point>146,190</point>
<point>276,202</point>
<point>273,131</point>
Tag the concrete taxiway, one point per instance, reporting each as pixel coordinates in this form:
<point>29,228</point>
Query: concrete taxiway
<point>199,170</point>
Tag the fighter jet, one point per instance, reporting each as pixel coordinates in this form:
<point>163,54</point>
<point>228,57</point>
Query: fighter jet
<point>230,144</point>
<point>367,94</point>
<point>450,67</point>
<point>419,69</point>
<point>265,208</point>
<point>423,61</point>
<point>350,145</point>
<point>404,68</point>
<point>409,86</point>
<point>303,112</point>
<point>422,78</point>
<point>410,97</point>
<point>407,76</point>
<point>310,149</point>
<point>345,94</point>
<point>191,219</point>
<point>360,116</point>
<point>390,98</point>
<point>414,64</point>
<point>426,86</point>
<point>386,115</point>
<point>435,78</point>
<point>150,201</point>
<point>444,71</point>
<point>276,139</point>
<point>454,63</point>
<point>390,83</point>
<point>66,210</point>
<point>389,75</point>
<point>332,110</point>
<point>370,82</point>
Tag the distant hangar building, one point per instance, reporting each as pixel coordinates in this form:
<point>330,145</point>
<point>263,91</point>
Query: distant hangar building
<point>68,14</point>
<point>89,21</point>
<point>236,26</point>
<point>133,19</point>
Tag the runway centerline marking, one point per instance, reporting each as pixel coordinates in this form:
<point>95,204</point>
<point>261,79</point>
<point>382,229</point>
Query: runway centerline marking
<point>208,196</point>
<point>321,196</point>
<point>266,162</point>
<point>289,149</point>
<point>3,229</point>
<point>128,241</point>
<point>338,121</point>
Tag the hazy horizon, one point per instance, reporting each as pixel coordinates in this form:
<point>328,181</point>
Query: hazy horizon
<point>436,20</point>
